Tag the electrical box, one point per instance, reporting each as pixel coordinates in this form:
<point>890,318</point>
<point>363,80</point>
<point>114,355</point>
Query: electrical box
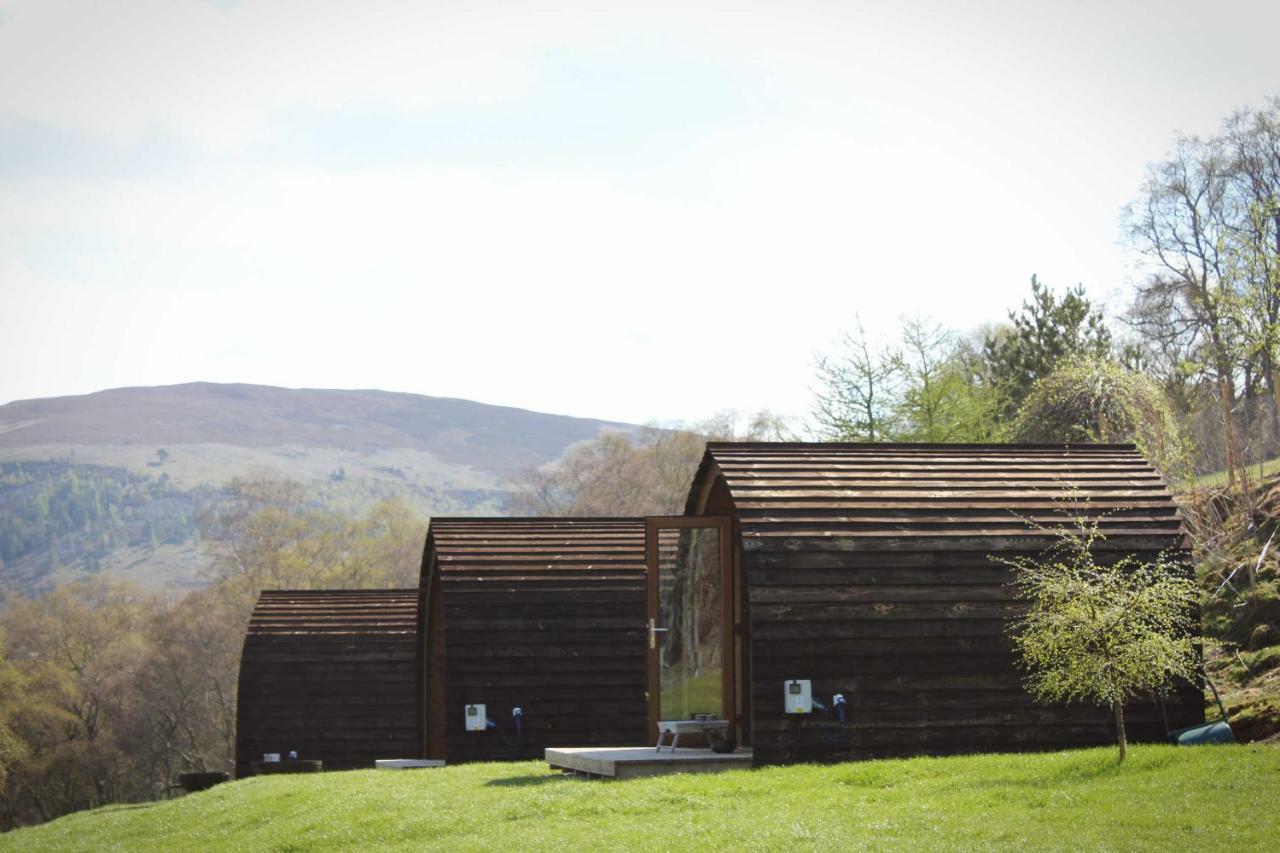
<point>797,696</point>
<point>476,719</point>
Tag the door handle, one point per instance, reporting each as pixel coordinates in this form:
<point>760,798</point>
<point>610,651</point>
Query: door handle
<point>654,630</point>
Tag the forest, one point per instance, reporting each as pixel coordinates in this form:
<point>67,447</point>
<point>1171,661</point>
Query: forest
<point>106,693</point>
<point>65,512</point>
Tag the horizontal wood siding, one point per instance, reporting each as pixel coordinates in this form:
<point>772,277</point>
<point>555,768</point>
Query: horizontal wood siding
<point>329,674</point>
<point>875,571</point>
<point>546,615</point>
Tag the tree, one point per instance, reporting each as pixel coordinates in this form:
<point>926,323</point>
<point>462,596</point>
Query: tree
<point>857,386</point>
<point>1096,400</point>
<point>1206,227</point>
<point>1190,300</point>
<point>628,474</point>
<point>1103,634</point>
<point>79,650</point>
<point>941,396</point>
<point>1252,139</point>
<point>185,687</point>
<point>12,747</point>
<point>392,535</point>
<point>267,536</point>
<point>929,387</point>
<point>1042,333</point>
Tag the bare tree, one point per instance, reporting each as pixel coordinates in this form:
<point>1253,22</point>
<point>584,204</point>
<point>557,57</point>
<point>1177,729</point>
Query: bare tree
<point>856,389</point>
<point>1180,224</point>
<point>932,386</point>
<point>1252,139</point>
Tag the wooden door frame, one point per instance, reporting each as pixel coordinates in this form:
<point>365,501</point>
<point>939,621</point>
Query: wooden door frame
<point>728,597</point>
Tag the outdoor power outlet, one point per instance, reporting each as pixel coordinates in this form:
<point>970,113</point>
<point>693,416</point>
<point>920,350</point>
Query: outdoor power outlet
<point>476,719</point>
<point>797,696</point>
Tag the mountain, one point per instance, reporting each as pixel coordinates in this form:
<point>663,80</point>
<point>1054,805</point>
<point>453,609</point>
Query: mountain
<point>495,439</point>
<point>113,481</point>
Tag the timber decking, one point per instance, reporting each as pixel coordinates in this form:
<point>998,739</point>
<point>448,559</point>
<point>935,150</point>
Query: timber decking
<point>874,571</point>
<point>546,615</point>
<point>331,675</point>
<point>633,762</point>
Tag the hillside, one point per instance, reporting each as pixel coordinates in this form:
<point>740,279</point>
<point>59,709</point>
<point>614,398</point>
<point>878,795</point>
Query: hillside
<point>1162,798</point>
<point>113,481</point>
<point>1237,539</point>
<point>128,425</point>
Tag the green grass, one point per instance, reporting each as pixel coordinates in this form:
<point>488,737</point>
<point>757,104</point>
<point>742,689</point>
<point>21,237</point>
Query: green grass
<point>1219,478</point>
<point>1205,798</point>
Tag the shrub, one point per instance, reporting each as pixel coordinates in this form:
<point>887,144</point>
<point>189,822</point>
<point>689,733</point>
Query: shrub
<point>1096,400</point>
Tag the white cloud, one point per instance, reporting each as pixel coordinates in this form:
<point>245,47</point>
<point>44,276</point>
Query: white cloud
<point>215,74</point>
<point>817,160</point>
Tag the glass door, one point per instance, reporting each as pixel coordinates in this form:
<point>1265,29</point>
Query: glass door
<point>690,619</point>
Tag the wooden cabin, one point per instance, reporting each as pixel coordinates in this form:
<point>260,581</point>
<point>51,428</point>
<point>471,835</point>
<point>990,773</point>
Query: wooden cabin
<point>869,571</point>
<point>873,571</point>
<point>331,675</point>
<point>544,615</point>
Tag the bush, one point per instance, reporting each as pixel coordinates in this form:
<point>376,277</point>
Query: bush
<point>1096,400</point>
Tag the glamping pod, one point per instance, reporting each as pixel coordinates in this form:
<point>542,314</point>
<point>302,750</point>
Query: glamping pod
<point>868,589</point>
<point>541,615</point>
<point>331,675</point>
<point>816,602</point>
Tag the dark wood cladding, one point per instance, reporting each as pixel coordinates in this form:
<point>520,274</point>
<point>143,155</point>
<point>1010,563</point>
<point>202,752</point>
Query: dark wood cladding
<point>546,615</point>
<point>874,571</point>
<point>330,674</point>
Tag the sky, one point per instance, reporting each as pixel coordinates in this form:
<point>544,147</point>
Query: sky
<point>628,211</point>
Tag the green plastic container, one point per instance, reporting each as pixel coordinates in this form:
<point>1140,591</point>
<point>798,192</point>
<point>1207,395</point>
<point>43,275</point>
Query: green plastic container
<point>1216,732</point>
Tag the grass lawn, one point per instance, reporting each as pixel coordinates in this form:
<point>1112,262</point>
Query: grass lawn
<point>1219,478</point>
<point>1167,798</point>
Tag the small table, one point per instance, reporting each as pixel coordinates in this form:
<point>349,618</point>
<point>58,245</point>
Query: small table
<point>675,728</point>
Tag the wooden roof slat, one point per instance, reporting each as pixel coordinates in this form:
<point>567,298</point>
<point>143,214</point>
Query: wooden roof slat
<point>1058,521</point>
<point>515,547</point>
<point>933,457</point>
<point>935,493</point>
<point>871,502</point>
<point>294,613</point>
<point>1022,480</point>
<point>906,493</point>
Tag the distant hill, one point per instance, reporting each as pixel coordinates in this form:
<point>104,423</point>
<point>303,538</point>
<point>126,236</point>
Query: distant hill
<point>457,432</point>
<point>155,456</point>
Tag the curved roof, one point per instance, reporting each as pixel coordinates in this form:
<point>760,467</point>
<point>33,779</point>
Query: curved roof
<point>329,612</point>
<point>533,547</point>
<point>935,491</point>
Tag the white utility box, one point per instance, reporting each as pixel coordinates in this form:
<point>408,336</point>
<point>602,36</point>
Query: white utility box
<point>797,696</point>
<point>476,719</point>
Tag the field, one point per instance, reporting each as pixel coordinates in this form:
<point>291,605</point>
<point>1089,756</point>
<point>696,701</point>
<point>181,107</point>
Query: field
<point>1206,798</point>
